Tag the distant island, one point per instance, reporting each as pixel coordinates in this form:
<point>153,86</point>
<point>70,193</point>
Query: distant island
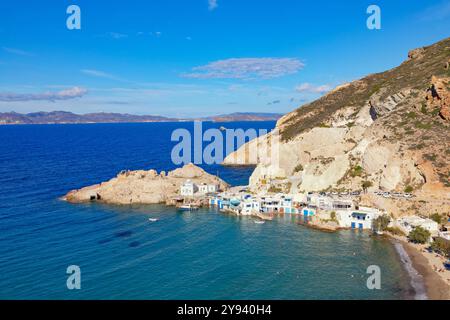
<point>64,117</point>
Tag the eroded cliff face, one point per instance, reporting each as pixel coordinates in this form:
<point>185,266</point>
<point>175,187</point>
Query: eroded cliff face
<point>143,187</point>
<point>380,131</point>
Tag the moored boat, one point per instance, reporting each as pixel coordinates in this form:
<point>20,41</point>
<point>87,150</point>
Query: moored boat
<point>187,207</point>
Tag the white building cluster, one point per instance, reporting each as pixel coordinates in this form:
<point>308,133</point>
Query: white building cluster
<point>191,189</point>
<point>346,213</point>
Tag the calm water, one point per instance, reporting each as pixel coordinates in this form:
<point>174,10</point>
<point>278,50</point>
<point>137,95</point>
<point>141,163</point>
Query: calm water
<point>201,255</point>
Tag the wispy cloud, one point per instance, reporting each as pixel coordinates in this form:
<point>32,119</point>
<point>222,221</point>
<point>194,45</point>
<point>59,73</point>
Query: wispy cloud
<point>75,92</point>
<point>101,74</point>
<point>310,88</point>
<point>274,102</point>
<point>212,4</point>
<point>117,35</point>
<point>17,51</point>
<point>247,68</point>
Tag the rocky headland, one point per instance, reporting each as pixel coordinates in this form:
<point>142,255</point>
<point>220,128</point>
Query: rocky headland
<point>144,187</point>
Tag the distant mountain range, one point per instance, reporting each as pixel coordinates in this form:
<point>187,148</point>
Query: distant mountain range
<point>244,116</point>
<point>64,117</point>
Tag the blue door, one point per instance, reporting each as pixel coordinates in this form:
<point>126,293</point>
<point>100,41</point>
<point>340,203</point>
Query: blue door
<point>305,212</point>
<point>353,225</point>
<point>360,226</point>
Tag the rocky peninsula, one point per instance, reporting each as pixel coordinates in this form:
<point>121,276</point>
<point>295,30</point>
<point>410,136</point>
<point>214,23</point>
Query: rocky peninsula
<point>144,187</point>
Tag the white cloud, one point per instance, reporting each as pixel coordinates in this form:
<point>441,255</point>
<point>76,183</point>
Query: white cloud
<point>247,68</point>
<point>310,88</point>
<point>17,51</point>
<point>75,92</point>
<point>156,34</point>
<point>212,4</point>
<point>100,74</point>
<point>117,35</point>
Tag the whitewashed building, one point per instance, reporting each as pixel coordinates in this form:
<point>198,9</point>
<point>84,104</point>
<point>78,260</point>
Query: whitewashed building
<point>357,219</point>
<point>407,224</point>
<point>203,188</point>
<point>207,188</point>
<point>250,206</point>
<point>212,188</point>
<point>188,188</point>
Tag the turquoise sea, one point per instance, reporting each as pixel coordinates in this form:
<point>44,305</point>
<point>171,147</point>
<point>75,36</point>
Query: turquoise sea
<point>199,255</point>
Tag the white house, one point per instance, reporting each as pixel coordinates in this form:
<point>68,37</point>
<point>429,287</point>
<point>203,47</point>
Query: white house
<point>203,188</point>
<point>250,206</point>
<point>407,224</point>
<point>188,188</point>
<point>212,188</point>
<point>357,219</point>
<point>328,203</point>
<point>207,188</point>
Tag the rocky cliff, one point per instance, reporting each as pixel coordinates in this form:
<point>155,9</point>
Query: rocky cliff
<point>388,131</point>
<point>143,187</point>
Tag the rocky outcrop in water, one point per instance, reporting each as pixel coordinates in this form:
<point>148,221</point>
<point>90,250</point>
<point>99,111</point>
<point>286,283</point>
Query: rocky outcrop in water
<point>143,187</point>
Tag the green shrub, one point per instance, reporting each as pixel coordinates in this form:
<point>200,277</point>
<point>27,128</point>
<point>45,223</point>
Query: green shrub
<point>437,217</point>
<point>423,109</point>
<point>333,215</point>
<point>298,168</point>
<point>411,115</point>
<point>442,246</point>
<point>419,235</point>
<point>366,185</point>
<point>381,223</point>
<point>409,189</point>
<point>420,125</point>
<point>356,171</point>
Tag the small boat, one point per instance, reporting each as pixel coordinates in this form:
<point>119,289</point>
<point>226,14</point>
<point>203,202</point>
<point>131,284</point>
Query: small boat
<point>260,222</point>
<point>152,219</point>
<point>187,207</point>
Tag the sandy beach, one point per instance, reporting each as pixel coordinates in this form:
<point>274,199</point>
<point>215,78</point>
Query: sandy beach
<point>437,284</point>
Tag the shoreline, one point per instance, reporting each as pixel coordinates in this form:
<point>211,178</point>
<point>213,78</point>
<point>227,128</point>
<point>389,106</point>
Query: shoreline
<point>421,266</point>
<point>435,285</point>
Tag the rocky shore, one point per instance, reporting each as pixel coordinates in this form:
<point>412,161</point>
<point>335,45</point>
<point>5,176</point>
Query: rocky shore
<point>143,187</point>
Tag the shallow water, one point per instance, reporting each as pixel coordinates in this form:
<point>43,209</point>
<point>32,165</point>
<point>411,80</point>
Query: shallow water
<point>122,255</point>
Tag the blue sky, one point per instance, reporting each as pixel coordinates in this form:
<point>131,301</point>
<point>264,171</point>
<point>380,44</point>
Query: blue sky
<point>200,57</point>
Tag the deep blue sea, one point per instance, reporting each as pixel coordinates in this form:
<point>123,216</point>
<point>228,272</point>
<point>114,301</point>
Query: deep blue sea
<point>199,255</point>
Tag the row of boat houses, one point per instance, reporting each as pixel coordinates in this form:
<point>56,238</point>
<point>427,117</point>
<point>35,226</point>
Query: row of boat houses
<point>347,214</point>
<point>309,205</point>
